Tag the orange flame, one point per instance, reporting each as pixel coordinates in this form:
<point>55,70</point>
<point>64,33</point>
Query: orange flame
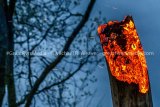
<point>124,52</point>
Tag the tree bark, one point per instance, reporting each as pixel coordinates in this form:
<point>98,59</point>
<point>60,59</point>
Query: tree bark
<point>127,95</point>
<point>3,49</point>
<point>8,9</point>
<point>10,69</point>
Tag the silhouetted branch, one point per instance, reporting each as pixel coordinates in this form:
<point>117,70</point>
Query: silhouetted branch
<point>3,49</point>
<point>64,80</point>
<point>59,58</point>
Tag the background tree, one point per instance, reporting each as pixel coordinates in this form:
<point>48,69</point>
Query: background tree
<point>3,49</point>
<point>39,71</point>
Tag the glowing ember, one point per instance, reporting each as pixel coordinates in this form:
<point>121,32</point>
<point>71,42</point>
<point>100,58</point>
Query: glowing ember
<point>124,52</point>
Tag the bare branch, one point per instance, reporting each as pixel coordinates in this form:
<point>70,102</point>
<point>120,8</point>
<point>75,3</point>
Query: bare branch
<point>64,80</point>
<point>60,57</point>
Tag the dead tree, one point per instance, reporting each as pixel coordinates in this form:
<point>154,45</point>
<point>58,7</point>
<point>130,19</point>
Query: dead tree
<point>126,63</point>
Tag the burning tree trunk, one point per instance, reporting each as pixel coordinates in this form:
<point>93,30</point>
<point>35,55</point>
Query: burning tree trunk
<point>126,62</point>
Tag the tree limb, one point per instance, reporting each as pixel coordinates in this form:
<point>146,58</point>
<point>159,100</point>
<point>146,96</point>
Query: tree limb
<point>9,11</point>
<point>60,57</point>
<point>63,80</point>
<point>3,49</point>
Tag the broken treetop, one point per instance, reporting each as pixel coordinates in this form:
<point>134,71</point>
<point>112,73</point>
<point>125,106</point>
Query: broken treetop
<point>124,52</point>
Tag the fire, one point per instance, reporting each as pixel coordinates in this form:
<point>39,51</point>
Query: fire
<point>126,56</point>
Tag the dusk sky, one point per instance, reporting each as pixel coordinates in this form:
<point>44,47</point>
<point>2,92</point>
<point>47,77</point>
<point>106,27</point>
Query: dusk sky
<point>53,28</point>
